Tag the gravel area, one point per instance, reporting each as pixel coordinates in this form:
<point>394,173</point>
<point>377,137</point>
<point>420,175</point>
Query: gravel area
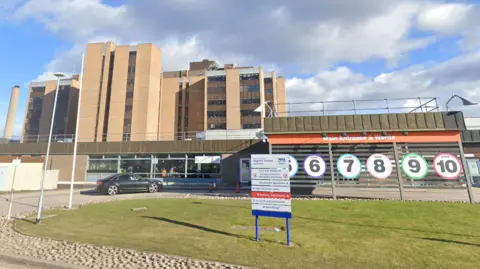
<point>93,256</point>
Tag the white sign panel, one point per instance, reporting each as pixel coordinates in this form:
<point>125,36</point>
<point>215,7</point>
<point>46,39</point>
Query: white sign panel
<point>270,161</point>
<point>349,166</point>
<point>154,161</point>
<point>314,166</point>
<point>275,208</point>
<point>270,173</point>
<point>447,166</point>
<point>414,166</point>
<point>273,183</point>
<point>207,159</point>
<point>256,188</point>
<point>379,166</point>
<point>282,202</point>
<point>16,162</point>
<point>292,166</point>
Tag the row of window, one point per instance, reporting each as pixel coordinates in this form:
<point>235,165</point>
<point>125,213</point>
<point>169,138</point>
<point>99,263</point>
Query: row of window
<point>252,126</point>
<point>250,101</point>
<point>131,69</point>
<point>250,88</point>
<point>248,76</point>
<point>219,89</point>
<point>217,102</point>
<point>248,113</point>
<point>217,114</point>
<point>217,78</point>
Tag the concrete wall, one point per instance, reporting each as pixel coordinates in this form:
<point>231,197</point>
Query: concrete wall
<point>233,99</point>
<point>63,163</point>
<point>28,177</point>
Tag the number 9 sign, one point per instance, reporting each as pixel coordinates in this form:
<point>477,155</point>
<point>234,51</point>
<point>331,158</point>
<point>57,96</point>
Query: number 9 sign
<point>447,166</point>
<point>349,166</point>
<point>414,166</point>
<point>314,166</point>
<point>379,166</point>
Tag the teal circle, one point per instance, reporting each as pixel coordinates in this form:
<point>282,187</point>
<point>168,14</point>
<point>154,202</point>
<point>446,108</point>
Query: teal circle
<point>406,173</point>
<point>355,157</point>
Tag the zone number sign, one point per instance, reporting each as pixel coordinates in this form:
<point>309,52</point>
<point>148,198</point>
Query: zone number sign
<point>447,166</point>
<point>292,166</point>
<point>414,166</point>
<point>314,166</point>
<point>349,166</point>
<point>379,166</point>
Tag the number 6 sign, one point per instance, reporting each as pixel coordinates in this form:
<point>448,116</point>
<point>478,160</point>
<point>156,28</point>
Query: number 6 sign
<point>314,166</point>
<point>349,166</point>
<point>447,166</point>
<point>379,166</point>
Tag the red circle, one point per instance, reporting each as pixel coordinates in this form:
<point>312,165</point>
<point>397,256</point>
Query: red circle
<point>439,174</point>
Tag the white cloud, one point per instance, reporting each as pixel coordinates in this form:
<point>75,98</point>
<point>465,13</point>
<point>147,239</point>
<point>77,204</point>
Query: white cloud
<point>459,75</point>
<point>445,18</point>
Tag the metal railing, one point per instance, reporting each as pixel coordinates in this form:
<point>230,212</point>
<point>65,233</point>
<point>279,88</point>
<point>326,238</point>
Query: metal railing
<point>366,106</point>
<point>125,137</point>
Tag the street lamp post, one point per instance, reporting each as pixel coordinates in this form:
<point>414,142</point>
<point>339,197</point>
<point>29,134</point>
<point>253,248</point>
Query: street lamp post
<point>465,101</point>
<point>261,108</point>
<point>40,200</point>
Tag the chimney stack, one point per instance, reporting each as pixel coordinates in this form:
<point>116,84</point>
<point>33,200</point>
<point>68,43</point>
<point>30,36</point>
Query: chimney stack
<point>12,108</point>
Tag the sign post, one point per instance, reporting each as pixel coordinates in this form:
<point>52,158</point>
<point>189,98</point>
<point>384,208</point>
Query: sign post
<point>271,195</point>
<point>15,163</point>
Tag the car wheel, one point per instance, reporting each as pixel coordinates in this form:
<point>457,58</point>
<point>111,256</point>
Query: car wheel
<point>153,188</point>
<point>112,190</point>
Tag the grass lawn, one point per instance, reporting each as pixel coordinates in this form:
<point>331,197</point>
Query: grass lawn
<point>326,234</point>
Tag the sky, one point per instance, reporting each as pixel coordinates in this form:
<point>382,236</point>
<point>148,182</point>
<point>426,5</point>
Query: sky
<point>327,50</point>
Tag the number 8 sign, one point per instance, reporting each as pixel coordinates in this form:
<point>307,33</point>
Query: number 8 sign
<point>349,166</point>
<point>379,166</point>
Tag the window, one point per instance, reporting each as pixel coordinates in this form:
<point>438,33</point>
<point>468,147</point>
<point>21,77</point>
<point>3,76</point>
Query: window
<point>250,101</point>
<point>129,94</point>
<point>249,76</point>
<point>124,178</point>
<point>269,91</point>
<point>217,114</point>
<point>126,137</point>
<point>128,108</point>
<point>218,89</point>
<point>131,69</point>
<point>103,166</point>
<point>248,113</point>
<point>268,80</point>
<point>217,102</point>
<point>38,89</point>
<point>217,78</point>
<point>252,126</point>
<point>127,122</point>
<point>215,126</point>
<point>131,82</point>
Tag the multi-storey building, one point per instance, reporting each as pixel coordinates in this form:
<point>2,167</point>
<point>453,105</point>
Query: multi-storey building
<point>127,96</point>
<point>40,107</point>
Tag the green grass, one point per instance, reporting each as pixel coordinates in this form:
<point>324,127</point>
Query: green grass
<point>326,234</point>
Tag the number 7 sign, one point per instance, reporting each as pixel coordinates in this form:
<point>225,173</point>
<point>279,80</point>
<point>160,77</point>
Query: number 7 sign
<point>349,166</point>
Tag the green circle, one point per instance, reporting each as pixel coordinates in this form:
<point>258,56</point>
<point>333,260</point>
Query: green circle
<point>405,172</point>
<point>359,172</point>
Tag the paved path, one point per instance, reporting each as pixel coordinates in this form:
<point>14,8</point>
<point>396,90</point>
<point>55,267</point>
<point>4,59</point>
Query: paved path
<point>6,265</point>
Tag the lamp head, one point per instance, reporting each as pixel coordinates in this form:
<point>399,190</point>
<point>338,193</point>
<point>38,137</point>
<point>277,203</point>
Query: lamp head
<point>59,75</point>
<point>467,102</point>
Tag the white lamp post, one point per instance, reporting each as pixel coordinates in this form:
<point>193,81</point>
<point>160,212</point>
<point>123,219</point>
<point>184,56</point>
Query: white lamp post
<point>262,107</point>
<point>40,200</point>
<point>70,198</point>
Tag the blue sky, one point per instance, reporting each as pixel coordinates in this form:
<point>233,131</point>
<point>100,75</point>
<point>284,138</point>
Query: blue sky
<point>327,51</point>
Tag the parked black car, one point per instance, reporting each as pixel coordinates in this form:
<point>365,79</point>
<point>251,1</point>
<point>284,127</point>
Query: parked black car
<point>127,183</point>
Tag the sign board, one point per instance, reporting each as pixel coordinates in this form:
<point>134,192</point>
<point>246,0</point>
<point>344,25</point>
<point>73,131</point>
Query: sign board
<point>414,166</point>
<point>447,166</point>
<point>16,162</point>
<point>314,166</point>
<point>379,166</point>
<point>154,161</point>
<point>270,176</point>
<point>207,159</point>
<point>349,166</point>
<point>292,166</point>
